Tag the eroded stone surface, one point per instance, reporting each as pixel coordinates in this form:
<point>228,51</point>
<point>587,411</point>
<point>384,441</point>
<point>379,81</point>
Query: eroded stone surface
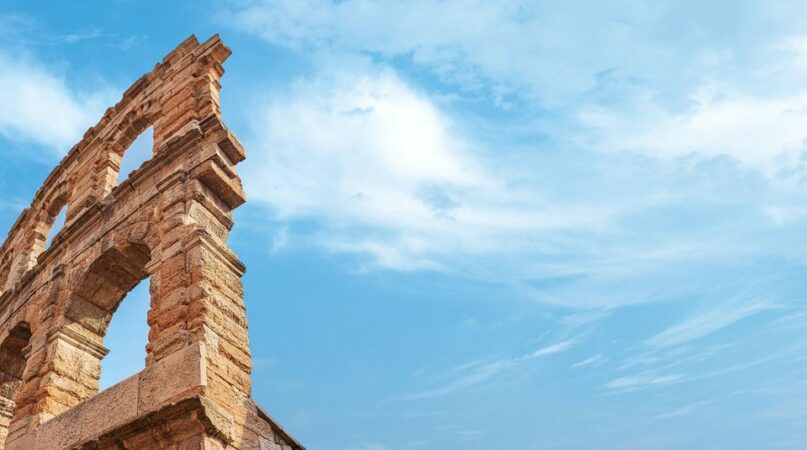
<point>168,221</point>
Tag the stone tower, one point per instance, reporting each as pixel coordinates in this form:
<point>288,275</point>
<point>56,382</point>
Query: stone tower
<point>168,221</point>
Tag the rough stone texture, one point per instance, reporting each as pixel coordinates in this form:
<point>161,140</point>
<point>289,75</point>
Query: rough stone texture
<point>169,220</point>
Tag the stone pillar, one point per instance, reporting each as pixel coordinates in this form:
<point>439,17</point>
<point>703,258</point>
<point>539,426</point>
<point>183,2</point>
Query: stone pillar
<point>14,352</point>
<point>75,370</point>
<point>196,97</point>
<point>197,295</point>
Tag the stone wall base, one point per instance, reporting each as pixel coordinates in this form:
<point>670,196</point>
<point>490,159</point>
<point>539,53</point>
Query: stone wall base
<point>192,424</point>
<point>163,407</point>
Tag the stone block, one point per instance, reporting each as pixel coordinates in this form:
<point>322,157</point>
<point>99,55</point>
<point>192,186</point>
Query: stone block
<point>26,442</point>
<point>110,409</point>
<point>175,377</point>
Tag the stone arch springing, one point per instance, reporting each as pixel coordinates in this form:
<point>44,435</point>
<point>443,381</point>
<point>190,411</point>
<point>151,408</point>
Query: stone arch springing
<point>13,358</point>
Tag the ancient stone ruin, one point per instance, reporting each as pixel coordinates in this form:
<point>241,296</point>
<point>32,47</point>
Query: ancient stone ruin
<point>168,221</point>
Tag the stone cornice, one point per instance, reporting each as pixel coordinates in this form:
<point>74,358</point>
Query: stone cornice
<point>75,339</point>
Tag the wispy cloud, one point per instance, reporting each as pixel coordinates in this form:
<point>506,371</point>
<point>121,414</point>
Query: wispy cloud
<point>592,362</point>
<point>635,382</point>
<point>13,204</point>
<point>470,435</point>
<point>453,39</point>
<point>27,31</point>
<point>12,23</point>
<point>761,132</point>
<point>707,321</point>
<point>477,372</point>
<point>70,38</point>
<point>665,371</point>
<point>684,410</point>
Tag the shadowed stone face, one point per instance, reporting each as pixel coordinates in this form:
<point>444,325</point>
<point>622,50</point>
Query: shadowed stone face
<point>169,221</point>
<point>12,365</point>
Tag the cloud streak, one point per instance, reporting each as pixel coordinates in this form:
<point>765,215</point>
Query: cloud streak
<point>636,382</point>
<point>707,321</point>
<point>684,410</point>
<point>592,362</point>
<point>472,374</point>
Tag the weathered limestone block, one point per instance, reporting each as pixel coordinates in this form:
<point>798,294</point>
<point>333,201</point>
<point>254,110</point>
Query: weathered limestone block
<point>168,222</point>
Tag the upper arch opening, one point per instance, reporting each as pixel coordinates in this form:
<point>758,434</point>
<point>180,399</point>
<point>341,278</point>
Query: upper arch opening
<point>140,151</point>
<point>56,225</point>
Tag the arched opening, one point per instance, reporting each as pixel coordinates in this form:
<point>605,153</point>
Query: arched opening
<point>51,222</point>
<point>126,337</point>
<point>96,299</point>
<point>140,151</point>
<point>56,223</point>
<point>5,270</point>
<point>13,356</point>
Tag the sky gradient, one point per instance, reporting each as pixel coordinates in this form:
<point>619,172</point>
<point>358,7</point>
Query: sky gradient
<point>479,224</point>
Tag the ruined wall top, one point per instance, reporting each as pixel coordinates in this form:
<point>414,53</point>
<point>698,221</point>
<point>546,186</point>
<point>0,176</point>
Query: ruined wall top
<point>176,91</point>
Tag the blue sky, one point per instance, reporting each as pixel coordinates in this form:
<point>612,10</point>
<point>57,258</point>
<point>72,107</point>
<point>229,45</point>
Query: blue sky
<point>480,224</point>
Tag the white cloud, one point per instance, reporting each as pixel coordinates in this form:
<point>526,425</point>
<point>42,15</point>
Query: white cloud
<point>634,382</point>
<point>698,369</point>
<point>476,372</point>
<point>356,160</point>
<point>501,46</point>
<point>549,50</point>
<point>593,362</point>
<point>387,172</point>
<point>763,133</point>
<point>37,105</point>
<point>710,91</point>
<point>684,410</point>
<point>707,321</point>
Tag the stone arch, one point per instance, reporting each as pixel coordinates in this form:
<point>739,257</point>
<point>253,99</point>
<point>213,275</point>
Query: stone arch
<point>96,296</point>
<point>47,217</point>
<point>13,358</point>
<point>5,270</point>
<point>129,127</point>
<point>33,242</point>
<point>105,283</point>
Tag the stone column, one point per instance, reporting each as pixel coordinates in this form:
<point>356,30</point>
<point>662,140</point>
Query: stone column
<point>14,352</point>
<point>197,293</point>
